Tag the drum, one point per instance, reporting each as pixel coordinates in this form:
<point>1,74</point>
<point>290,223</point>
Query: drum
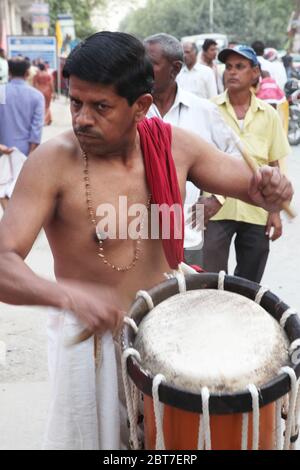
<point>216,359</point>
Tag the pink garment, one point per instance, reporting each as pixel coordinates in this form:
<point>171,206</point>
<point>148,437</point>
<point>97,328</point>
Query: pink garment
<point>269,91</point>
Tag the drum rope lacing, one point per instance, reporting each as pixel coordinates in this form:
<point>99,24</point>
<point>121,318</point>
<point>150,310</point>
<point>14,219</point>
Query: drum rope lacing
<point>158,412</point>
<point>204,436</point>
<point>291,417</point>
<point>131,397</point>
<point>278,430</point>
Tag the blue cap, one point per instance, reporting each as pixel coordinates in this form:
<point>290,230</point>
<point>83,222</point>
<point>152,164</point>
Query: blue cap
<point>244,51</point>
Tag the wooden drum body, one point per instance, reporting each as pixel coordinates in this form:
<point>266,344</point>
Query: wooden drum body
<point>213,362</point>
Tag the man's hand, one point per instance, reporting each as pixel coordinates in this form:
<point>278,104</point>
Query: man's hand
<point>211,207</point>
<point>95,306</point>
<point>274,222</point>
<point>269,189</point>
<point>6,150</point>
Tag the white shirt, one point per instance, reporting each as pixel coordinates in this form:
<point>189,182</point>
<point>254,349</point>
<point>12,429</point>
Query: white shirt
<point>202,117</point>
<point>280,73</point>
<point>276,70</point>
<point>3,71</point>
<point>267,66</point>
<point>200,80</point>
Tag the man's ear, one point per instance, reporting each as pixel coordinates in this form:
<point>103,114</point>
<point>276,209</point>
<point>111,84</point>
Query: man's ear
<point>142,105</point>
<point>257,72</point>
<point>176,67</point>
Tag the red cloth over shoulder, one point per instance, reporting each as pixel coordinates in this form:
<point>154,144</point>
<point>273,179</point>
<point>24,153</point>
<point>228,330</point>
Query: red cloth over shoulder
<point>156,139</point>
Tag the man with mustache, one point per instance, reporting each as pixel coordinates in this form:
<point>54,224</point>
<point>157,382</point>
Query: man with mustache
<point>259,127</point>
<point>112,151</point>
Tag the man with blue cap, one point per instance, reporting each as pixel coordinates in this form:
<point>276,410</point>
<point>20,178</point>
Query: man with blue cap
<point>261,133</point>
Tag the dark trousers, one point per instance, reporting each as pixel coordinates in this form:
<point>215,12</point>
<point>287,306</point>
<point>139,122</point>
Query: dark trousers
<point>194,257</point>
<point>251,248</point>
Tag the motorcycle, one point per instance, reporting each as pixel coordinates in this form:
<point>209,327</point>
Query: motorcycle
<point>292,92</point>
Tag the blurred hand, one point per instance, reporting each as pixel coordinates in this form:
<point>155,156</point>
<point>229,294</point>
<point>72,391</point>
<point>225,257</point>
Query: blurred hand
<point>211,206</point>
<point>97,307</point>
<point>269,189</point>
<point>274,226</point>
<point>4,149</point>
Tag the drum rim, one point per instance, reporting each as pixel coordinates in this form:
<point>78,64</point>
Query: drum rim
<point>219,403</point>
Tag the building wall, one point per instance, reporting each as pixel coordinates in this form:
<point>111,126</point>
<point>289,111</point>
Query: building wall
<point>14,17</point>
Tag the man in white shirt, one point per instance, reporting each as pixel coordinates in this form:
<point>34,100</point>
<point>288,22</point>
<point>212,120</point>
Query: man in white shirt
<point>271,55</point>
<point>3,68</point>
<point>183,109</point>
<point>208,57</point>
<point>194,77</point>
<point>265,64</point>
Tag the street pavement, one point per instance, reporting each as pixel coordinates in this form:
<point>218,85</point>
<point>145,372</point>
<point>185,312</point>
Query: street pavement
<point>24,387</point>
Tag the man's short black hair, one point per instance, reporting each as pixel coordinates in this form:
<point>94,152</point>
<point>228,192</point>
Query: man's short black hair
<point>208,43</point>
<point>112,58</point>
<point>259,47</point>
<point>18,66</point>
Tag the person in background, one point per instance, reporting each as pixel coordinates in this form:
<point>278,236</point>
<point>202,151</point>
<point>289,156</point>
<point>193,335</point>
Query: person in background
<point>208,58</point>
<point>266,65</point>
<point>181,108</point>
<point>43,82</point>
<point>22,115</point>
<point>31,72</point>
<point>194,77</point>
<point>271,55</point>
<point>261,133</point>
<point>3,68</point>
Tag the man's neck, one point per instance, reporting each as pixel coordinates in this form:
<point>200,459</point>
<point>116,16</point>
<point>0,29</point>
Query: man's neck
<point>240,98</point>
<point>165,100</point>
<point>240,102</point>
<point>207,61</point>
<point>191,65</point>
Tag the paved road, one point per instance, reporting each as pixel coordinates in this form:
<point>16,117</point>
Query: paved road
<point>24,387</point>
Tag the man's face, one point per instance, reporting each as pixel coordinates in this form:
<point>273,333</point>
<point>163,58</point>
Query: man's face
<point>102,120</point>
<point>190,54</point>
<point>239,73</point>
<point>162,67</point>
<point>212,52</point>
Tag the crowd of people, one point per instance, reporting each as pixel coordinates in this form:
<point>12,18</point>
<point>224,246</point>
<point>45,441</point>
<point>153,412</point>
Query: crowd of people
<point>199,115</point>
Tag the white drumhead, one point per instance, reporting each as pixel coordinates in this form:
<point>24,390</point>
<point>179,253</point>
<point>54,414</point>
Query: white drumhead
<point>211,338</point>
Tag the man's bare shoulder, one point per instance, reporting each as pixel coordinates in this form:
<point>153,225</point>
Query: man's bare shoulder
<point>186,145</point>
<point>50,161</point>
<point>58,150</point>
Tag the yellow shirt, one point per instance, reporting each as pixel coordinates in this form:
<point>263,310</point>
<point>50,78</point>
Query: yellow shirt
<point>263,137</point>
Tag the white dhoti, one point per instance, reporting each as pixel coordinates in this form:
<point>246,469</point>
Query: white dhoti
<point>84,412</point>
<point>10,167</point>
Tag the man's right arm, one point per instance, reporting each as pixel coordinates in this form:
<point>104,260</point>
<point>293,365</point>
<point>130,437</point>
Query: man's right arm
<point>32,203</point>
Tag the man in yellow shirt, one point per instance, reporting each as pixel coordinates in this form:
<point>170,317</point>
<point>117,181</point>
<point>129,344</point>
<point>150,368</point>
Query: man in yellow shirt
<point>259,128</point>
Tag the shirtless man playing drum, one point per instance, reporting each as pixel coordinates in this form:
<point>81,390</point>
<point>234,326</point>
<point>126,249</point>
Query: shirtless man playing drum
<point>110,82</point>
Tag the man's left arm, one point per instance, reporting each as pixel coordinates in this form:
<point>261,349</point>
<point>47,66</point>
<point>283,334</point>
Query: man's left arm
<point>219,173</point>
<point>279,150</point>
<point>37,123</point>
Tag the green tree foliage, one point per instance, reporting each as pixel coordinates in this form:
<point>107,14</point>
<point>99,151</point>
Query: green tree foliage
<point>242,20</point>
<point>81,11</point>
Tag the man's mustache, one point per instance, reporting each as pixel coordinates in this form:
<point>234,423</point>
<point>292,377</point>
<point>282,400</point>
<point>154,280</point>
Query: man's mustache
<point>86,131</point>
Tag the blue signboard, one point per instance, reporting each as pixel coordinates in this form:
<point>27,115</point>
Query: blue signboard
<point>33,47</point>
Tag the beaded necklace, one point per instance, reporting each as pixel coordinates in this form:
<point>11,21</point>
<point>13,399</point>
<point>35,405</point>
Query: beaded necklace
<point>100,253</point>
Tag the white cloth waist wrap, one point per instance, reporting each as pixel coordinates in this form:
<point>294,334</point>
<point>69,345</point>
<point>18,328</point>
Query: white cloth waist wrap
<point>84,408</point>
